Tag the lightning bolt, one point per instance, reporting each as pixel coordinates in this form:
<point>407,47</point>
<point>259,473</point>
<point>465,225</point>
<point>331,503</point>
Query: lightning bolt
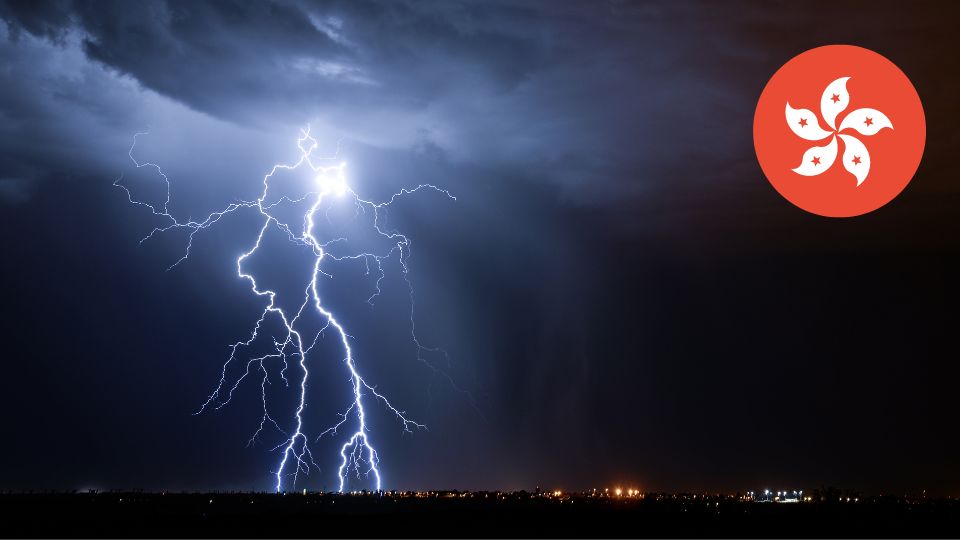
<point>358,456</point>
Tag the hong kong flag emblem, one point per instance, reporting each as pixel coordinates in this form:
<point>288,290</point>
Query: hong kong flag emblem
<point>839,131</point>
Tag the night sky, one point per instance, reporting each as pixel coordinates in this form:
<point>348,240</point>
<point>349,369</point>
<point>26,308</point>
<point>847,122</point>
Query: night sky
<point>624,297</point>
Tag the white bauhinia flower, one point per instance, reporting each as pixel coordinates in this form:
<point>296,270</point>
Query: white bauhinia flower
<point>856,159</point>
<point>867,121</point>
<point>834,100</point>
<point>818,159</point>
<point>805,124</point>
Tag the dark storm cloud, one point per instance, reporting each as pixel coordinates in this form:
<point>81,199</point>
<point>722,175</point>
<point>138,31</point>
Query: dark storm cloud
<point>598,97</point>
<point>56,113</point>
<point>224,58</point>
<point>587,95</point>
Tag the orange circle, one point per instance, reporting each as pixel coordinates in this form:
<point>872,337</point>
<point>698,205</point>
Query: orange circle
<point>893,154</point>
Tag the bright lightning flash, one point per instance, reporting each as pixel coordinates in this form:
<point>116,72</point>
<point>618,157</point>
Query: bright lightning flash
<point>358,456</point>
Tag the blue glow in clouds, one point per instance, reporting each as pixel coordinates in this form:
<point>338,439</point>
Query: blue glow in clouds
<point>358,456</point>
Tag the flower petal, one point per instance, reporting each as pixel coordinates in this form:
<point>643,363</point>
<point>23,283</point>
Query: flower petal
<point>805,124</point>
<point>835,98</point>
<point>856,159</point>
<point>866,121</point>
<point>818,159</point>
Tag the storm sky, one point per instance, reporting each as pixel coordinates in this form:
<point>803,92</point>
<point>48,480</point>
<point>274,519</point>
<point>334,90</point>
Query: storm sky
<point>624,297</point>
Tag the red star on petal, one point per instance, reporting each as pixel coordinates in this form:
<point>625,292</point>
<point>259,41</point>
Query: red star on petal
<point>868,121</point>
<point>835,98</point>
<point>856,160</point>
<point>803,122</point>
<point>815,161</point>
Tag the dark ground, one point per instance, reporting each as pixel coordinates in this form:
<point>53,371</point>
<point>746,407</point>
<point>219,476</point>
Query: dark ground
<point>476,515</point>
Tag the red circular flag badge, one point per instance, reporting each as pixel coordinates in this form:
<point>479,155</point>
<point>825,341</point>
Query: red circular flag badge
<point>839,131</point>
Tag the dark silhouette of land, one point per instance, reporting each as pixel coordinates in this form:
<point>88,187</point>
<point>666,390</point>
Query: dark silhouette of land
<point>463,514</point>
